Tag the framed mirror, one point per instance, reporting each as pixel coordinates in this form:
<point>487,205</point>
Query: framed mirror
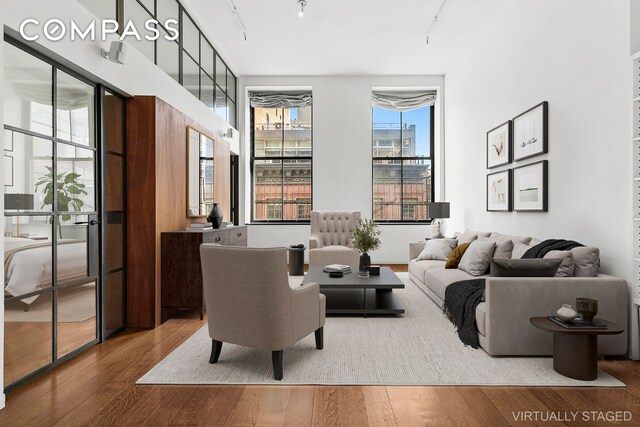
<point>200,173</point>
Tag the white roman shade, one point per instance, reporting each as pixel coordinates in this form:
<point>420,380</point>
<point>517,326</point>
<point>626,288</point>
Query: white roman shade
<point>403,100</point>
<point>288,99</point>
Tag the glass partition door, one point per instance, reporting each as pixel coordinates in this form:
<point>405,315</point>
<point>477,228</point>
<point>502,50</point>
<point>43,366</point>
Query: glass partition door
<point>52,221</point>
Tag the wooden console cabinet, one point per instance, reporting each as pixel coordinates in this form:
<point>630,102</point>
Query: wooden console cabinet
<point>181,272</point>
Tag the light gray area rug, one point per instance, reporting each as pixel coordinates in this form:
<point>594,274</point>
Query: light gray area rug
<point>419,348</point>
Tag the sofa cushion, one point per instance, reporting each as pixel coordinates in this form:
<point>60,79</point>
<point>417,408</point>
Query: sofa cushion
<point>586,261</point>
<point>503,250</point>
<point>499,237</point>
<point>476,259</point>
<point>439,249</point>
<point>481,313</point>
<point>465,237</point>
<point>567,266</point>
<point>454,259</point>
<point>437,279</point>
<point>518,250</point>
<point>478,233</point>
<point>535,267</point>
<point>418,267</point>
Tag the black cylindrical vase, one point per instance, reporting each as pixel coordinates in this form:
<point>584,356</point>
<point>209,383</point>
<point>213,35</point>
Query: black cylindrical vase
<point>215,216</point>
<point>365,262</point>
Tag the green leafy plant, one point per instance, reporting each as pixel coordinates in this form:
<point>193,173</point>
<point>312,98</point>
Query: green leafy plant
<point>68,192</point>
<point>365,236</point>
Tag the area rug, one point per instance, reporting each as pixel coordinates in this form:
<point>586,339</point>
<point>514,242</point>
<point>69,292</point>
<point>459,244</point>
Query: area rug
<point>418,348</point>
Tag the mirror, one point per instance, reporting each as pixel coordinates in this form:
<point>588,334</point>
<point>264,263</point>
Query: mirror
<point>199,173</point>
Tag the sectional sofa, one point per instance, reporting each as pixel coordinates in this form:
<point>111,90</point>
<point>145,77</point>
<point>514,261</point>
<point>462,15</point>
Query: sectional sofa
<point>503,318</point>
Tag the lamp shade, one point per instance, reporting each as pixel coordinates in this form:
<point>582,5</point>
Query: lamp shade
<point>438,210</point>
<point>18,201</point>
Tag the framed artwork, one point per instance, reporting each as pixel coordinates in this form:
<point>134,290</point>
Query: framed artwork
<point>530,132</point>
<point>8,171</point>
<point>499,142</point>
<point>499,191</point>
<point>530,184</point>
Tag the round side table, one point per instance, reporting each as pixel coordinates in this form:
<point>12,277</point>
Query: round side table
<point>575,351</point>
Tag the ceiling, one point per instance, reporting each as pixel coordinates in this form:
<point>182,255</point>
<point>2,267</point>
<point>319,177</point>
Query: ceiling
<point>341,37</point>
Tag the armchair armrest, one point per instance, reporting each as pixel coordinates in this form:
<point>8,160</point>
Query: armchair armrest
<point>315,241</point>
<point>307,309</point>
<point>511,301</point>
<point>414,249</point>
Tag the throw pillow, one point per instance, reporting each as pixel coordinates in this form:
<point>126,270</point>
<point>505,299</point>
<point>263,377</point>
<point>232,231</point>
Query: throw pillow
<point>454,259</point>
<point>438,249</point>
<point>518,250</point>
<point>524,267</point>
<point>465,237</point>
<point>503,250</point>
<point>586,260</point>
<point>567,265</point>
<point>478,233</point>
<point>477,257</point>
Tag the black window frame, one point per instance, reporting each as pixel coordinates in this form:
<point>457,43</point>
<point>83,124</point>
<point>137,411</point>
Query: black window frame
<point>401,159</point>
<point>282,158</point>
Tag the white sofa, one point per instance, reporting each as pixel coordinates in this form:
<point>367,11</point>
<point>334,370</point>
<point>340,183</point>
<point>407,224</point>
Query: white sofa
<point>503,318</point>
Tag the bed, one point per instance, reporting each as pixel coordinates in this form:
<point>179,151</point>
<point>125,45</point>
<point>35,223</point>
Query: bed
<point>28,264</point>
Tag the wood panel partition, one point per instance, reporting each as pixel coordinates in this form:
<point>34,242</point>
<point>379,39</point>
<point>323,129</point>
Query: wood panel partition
<point>156,194</point>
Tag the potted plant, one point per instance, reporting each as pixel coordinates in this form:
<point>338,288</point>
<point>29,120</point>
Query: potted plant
<point>365,238</point>
<point>68,192</point>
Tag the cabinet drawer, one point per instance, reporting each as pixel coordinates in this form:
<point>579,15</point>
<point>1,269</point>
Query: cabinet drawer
<point>238,237</point>
<point>220,237</point>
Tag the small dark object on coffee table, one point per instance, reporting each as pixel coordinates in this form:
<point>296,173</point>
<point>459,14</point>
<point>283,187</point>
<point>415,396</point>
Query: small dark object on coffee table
<point>587,308</point>
<point>336,274</point>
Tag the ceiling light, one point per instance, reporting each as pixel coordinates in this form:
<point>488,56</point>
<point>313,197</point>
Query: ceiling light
<point>302,4</point>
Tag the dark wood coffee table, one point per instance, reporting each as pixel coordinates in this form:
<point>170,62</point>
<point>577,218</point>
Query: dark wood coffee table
<point>575,351</point>
<point>351,294</point>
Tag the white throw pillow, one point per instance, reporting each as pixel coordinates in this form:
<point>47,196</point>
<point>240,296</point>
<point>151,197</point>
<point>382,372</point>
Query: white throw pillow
<point>504,250</point>
<point>518,250</point>
<point>438,249</point>
<point>465,237</point>
<point>477,258</point>
<point>567,266</point>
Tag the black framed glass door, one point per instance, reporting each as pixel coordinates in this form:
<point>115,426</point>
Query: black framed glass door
<point>63,144</point>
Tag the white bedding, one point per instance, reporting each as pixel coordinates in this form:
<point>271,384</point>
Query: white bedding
<point>30,269</point>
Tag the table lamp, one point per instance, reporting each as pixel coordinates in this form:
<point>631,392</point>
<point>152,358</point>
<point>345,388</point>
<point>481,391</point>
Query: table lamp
<point>18,202</point>
<point>437,212</point>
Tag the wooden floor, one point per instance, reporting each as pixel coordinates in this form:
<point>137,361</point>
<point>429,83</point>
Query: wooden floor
<point>97,388</point>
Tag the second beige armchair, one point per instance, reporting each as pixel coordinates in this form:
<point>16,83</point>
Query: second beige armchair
<point>250,303</point>
<point>330,241</point>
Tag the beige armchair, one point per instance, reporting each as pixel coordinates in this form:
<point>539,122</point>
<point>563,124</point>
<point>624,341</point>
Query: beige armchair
<point>249,301</point>
<point>330,241</point>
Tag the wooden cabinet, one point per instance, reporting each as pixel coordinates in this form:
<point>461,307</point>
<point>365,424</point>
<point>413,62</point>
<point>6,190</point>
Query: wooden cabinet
<point>181,273</point>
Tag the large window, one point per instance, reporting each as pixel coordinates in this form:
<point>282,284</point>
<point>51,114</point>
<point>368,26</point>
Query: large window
<point>191,60</point>
<point>281,157</point>
<point>403,162</point>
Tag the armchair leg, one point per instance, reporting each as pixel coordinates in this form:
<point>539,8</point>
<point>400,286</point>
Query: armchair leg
<point>216,348</point>
<point>319,338</point>
<point>276,357</point>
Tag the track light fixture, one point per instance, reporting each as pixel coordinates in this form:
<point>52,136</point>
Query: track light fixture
<point>302,4</point>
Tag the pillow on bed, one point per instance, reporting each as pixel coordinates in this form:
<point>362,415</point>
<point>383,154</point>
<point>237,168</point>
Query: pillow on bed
<point>438,249</point>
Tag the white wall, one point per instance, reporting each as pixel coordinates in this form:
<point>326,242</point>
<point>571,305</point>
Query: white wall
<point>138,76</point>
<point>574,54</point>
<point>635,26</point>
<point>2,395</point>
<point>342,172</point>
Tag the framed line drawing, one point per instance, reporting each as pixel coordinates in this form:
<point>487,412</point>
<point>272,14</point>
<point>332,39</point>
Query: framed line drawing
<point>530,187</point>
<point>499,191</point>
<point>499,143</point>
<point>531,132</point>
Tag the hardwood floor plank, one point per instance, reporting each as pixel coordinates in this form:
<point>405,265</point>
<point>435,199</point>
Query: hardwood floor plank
<point>378,406</point>
<point>518,406</point>
<point>299,411</point>
<point>326,407</point>
<point>417,406</point>
<point>351,406</point>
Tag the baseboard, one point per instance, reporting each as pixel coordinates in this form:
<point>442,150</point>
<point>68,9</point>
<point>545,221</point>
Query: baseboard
<point>2,400</point>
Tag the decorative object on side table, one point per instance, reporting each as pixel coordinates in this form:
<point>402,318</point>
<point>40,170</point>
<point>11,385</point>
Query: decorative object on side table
<point>18,202</point>
<point>365,239</point>
<point>437,211</point>
<point>566,312</point>
<point>296,259</point>
<point>530,132</point>
<point>499,191</point>
<point>530,184</point>
<point>587,308</point>
<point>499,145</point>
<point>215,216</point>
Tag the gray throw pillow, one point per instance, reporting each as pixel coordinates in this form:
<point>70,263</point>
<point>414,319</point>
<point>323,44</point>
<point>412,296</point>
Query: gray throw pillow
<point>519,249</point>
<point>503,250</point>
<point>438,249</point>
<point>567,265</point>
<point>524,267</point>
<point>478,233</point>
<point>586,260</point>
<point>465,237</point>
<point>477,258</point>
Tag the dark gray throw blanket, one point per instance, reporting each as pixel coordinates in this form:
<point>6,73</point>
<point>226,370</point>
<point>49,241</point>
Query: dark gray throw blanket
<point>541,249</point>
<point>460,302</point>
